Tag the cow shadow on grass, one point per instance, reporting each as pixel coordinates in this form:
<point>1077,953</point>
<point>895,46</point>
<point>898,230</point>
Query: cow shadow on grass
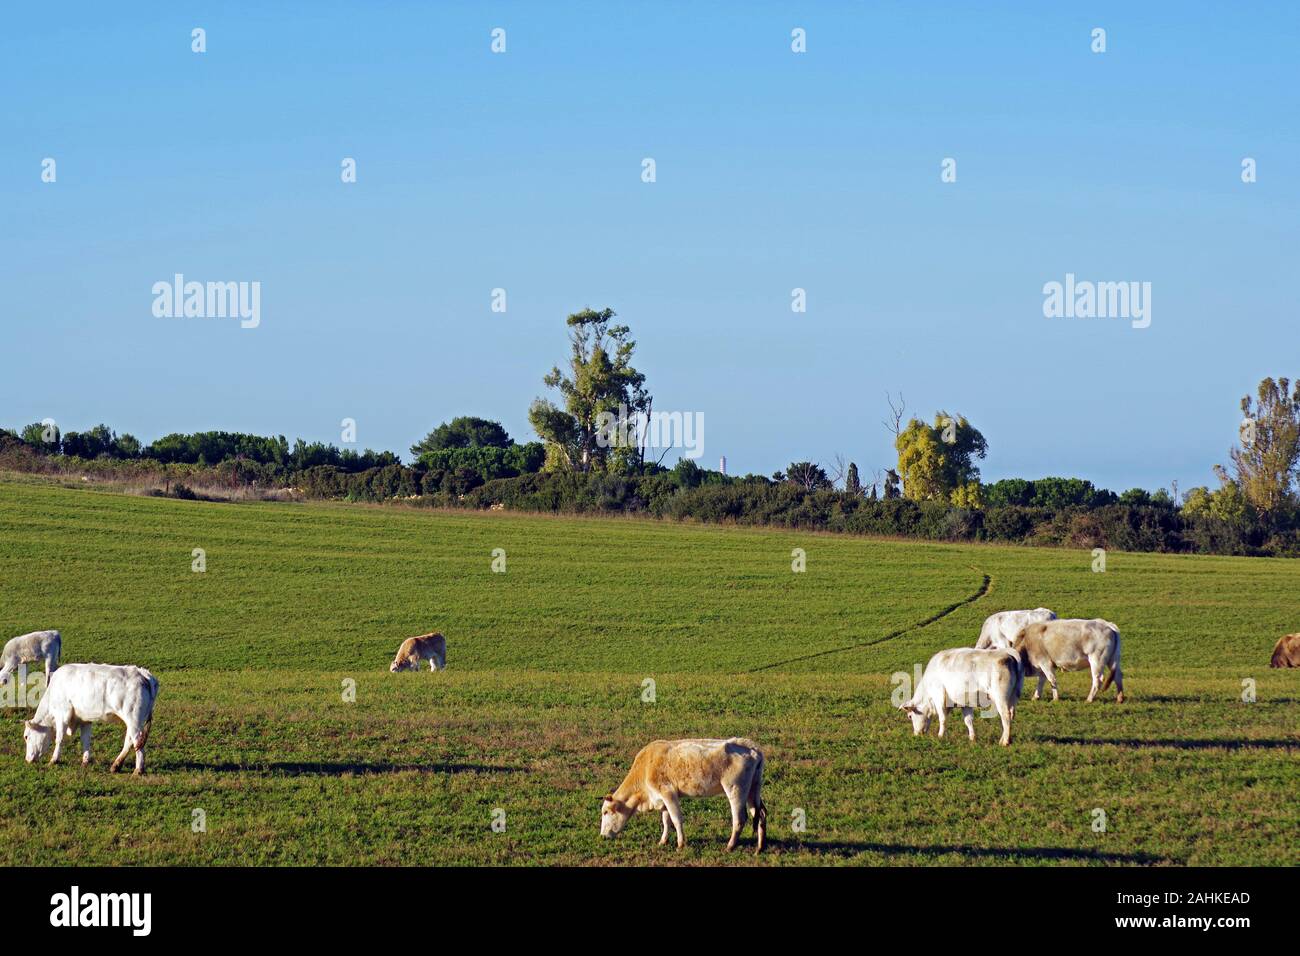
<point>1008,854</point>
<point>319,769</point>
<point>1245,743</point>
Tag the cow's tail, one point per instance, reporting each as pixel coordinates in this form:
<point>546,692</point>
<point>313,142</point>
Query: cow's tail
<point>153,686</point>
<point>1113,663</point>
<point>755,800</point>
<point>142,737</point>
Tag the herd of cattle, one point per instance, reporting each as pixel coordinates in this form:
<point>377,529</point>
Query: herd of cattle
<point>79,695</point>
<point>1012,645</point>
<point>992,673</point>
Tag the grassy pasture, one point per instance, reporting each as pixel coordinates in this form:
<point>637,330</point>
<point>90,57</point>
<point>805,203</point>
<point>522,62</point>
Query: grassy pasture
<point>541,710</point>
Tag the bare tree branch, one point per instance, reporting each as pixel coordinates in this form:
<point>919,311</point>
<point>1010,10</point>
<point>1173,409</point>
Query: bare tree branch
<point>839,469</point>
<point>895,422</point>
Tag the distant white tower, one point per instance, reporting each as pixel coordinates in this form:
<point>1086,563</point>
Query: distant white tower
<point>722,465</point>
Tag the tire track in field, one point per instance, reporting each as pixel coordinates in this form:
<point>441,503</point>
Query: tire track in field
<point>984,587</point>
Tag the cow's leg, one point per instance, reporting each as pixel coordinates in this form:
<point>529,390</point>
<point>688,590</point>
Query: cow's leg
<point>663,837</point>
<point>968,718</point>
<point>1038,691</point>
<point>754,800</point>
<point>943,720</point>
<point>1050,673</point>
<point>126,749</point>
<point>85,744</point>
<point>1110,676</point>
<point>674,811</point>
<point>1119,684</point>
<point>736,797</point>
<point>60,728</point>
<point>1096,668</point>
<point>1007,714</point>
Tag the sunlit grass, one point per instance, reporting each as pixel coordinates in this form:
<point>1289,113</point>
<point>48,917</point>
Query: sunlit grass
<point>541,709</point>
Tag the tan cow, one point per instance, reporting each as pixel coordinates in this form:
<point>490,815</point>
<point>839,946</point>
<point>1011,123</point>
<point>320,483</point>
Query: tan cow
<point>1072,644</point>
<point>1287,652</point>
<point>426,647</point>
<point>667,770</point>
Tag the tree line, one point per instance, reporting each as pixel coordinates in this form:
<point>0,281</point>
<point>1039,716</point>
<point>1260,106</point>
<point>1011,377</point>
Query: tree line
<point>933,489</point>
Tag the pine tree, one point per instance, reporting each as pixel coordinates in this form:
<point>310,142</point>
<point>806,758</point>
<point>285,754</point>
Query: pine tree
<point>852,484</point>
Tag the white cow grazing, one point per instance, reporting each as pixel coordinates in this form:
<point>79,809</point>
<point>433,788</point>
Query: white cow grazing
<point>36,646</point>
<point>664,771</point>
<point>81,694</point>
<point>968,678</point>
<point>1072,645</point>
<point>1000,629</point>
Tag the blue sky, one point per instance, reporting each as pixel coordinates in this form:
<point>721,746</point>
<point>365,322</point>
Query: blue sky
<point>775,170</point>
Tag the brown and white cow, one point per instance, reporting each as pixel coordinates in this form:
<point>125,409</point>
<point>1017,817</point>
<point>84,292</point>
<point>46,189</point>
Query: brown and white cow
<point>1072,644</point>
<point>664,771</point>
<point>1287,652</point>
<point>427,647</point>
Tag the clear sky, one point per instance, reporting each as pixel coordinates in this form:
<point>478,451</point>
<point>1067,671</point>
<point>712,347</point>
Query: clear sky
<point>775,170</point>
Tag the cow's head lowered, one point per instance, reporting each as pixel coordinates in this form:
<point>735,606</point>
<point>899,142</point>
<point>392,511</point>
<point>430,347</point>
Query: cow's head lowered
<point>919,714</point>
<point>614,815</point>
<point>38,739</point>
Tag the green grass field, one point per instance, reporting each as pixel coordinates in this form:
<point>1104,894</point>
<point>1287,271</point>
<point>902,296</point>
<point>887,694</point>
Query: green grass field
<point>541,709</point>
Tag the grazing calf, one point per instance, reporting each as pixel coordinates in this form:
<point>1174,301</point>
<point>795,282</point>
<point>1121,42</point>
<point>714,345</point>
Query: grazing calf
<point>426,647</point>
<point>36,646</point>
<point>1287,652</point>
<point>969,678</point>
<point>667,770</point>
<point>81,694</point>
<point>1000,629</point>
<point>1072,645</point>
